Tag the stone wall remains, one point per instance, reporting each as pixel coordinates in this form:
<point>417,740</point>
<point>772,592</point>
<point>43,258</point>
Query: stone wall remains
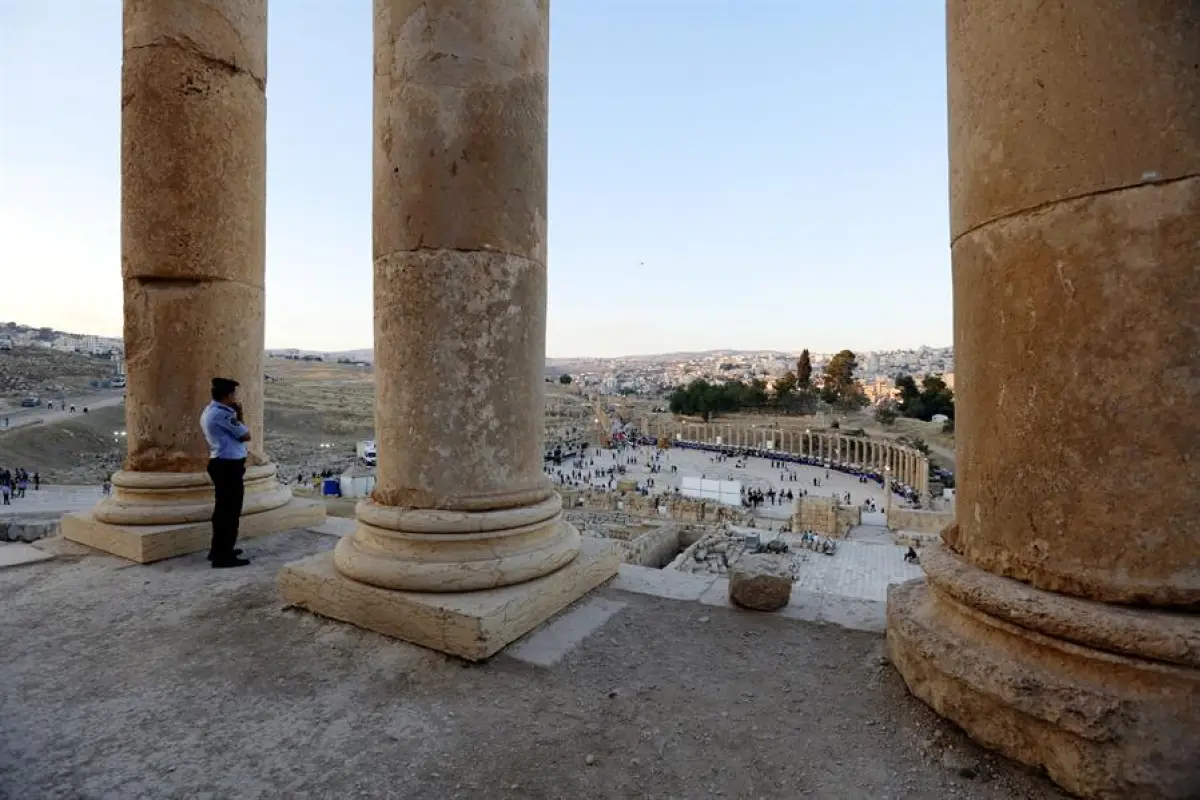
<point>814,514</point>
<point>824,515</point>
<point>845,518</point>
<point>679,509</point>
<point>918,521</point>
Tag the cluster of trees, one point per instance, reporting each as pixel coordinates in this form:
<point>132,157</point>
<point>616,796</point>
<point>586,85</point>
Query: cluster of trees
<point>794,393</point>
<point>704,399</point>
<point>932,396</point>
<point>839,387</point>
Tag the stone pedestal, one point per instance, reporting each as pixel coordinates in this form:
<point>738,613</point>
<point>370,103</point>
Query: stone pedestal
<point>1060,626</point>
<point>461,503</point>
<point>149,542</point>
<point>471,625</point>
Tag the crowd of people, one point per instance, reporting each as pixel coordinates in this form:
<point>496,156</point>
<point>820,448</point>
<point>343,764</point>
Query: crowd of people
<point>783,460</point>
<point>15,483</point>
<point>588,467</point>
<point>602,468</point>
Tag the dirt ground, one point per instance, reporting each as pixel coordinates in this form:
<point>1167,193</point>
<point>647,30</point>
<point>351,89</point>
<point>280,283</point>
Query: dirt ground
<point>306,405</point>
<point>50,374</point>
<point>175,681</point>
<point>79,451</point>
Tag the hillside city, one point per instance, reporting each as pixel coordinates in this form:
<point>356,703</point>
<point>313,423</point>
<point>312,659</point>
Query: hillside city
<point>647,375</point>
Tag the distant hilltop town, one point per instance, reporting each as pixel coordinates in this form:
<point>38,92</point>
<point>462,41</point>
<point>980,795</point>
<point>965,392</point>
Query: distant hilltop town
<point>877,369</point>
<point>640,374</point>
<point>14,334</point>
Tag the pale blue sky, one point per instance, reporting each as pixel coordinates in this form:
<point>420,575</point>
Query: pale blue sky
<point>723,173</point>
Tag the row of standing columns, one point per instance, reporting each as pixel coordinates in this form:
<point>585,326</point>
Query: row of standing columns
<point>909,467</point>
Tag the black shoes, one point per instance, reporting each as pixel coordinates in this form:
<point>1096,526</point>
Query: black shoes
<point>237,551</point>
<point>230,562</point>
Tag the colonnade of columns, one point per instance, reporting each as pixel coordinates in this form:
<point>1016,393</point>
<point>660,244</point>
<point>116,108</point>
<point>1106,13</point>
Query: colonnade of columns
<point>907,466</point>
<point>1059,623</point>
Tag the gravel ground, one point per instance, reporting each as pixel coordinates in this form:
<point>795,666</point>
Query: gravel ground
<point>175,681</point>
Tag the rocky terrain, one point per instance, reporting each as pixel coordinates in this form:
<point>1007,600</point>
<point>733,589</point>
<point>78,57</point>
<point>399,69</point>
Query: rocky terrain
<point>314,415</point>
<point>49,374</point>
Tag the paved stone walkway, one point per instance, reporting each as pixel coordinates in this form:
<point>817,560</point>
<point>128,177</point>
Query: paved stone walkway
<point>52,500</point>
<point>861,570</point>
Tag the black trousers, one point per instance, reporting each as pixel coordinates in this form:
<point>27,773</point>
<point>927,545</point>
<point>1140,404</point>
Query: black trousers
<point>227,476</point>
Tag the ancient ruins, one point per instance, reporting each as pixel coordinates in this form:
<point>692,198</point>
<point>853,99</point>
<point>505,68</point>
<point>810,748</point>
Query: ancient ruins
<point>1059,622</point>
<point>906,465</point>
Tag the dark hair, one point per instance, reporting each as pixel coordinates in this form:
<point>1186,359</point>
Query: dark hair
<point>222,388</point>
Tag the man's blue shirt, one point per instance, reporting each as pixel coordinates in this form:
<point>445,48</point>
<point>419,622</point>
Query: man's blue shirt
<point>223,431</point>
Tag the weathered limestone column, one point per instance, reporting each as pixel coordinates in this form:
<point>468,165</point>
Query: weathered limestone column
<point>462,504</point>
<point>193,238</point>
<point>1059,624</point>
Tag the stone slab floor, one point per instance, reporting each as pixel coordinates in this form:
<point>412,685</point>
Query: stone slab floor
<point>176,681</point>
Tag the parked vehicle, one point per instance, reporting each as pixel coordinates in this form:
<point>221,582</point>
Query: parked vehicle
<point>32,401</point>
<point>366,453</point>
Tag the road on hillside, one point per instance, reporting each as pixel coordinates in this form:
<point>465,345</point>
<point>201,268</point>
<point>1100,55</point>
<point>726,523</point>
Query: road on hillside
<point>22,417</point>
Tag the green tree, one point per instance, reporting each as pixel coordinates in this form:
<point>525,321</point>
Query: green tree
<point>910,397</point>
<point>785,387</point>
<point>804,370</point>
<point>839,387</point>
<point>937,397</point>
<point>564,379</point>
<point>886,412</point>
<point>931,397</point>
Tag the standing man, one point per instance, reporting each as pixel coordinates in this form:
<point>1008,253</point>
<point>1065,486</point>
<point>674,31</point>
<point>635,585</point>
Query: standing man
<point>227,435</point>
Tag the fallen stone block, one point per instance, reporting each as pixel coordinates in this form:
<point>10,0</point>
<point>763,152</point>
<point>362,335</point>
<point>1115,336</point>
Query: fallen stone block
<point>760,582</point>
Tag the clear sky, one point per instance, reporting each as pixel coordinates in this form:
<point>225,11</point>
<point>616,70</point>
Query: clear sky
<point>723,173</point>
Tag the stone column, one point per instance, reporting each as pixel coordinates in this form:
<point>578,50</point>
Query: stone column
<point>193,223</point>
<point>1060,622</point>
<point>462,502</point>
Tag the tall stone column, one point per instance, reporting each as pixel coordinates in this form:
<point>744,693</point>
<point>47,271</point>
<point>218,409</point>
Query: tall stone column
<point>193,239</point>
<point>461,504</point>
<point>1059,624</point>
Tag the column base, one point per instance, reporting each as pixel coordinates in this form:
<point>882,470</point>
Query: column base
<point>472,625</point>
<point>1101,722</point>
<point>163,498</point>
<point>147,543</point>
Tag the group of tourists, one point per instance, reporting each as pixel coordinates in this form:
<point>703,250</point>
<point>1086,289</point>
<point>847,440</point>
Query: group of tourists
<point>754,498</point>
<point>15,483</point>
